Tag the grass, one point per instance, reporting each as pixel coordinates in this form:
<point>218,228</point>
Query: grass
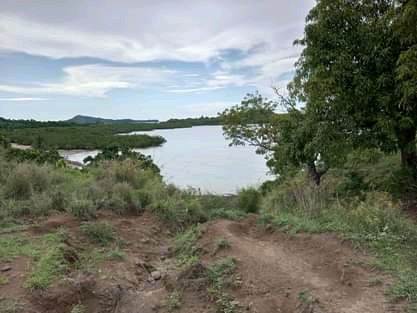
<point>78,308</point>
<point>50,263</point>
<point>3,280</point>
<point>373,221</point>
<point>115,255</point>
<point>7,305</point>
<point>222,244</point>
<point>14,246</point>
<point>222,275</point>
<point>174,300</point>
<point>187,250</point>
<point>99,232</point>
<point>306,297</point>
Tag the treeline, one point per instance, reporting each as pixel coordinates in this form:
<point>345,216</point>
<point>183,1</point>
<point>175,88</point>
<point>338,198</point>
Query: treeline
<point>62,135</point>
<point>10,124</point>
<point>79,137</point>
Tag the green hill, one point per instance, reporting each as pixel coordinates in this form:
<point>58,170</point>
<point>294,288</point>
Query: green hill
<point>83,119</point>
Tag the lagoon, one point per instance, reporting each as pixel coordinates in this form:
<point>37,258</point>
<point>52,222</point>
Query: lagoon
<point>200,157</point>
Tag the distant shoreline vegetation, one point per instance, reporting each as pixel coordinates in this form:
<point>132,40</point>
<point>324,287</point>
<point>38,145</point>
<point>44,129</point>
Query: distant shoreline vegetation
<point>98,134</point>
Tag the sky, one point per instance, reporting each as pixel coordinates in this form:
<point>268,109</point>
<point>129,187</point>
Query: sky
<point>140,59</point>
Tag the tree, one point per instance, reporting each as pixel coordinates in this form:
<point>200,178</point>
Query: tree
<point>354,77</point>
<point>288,140</point>
<point>405,28</point>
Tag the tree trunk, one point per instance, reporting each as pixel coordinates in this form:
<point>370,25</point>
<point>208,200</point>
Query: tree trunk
<point>407,143</point>
<point>314,174</point>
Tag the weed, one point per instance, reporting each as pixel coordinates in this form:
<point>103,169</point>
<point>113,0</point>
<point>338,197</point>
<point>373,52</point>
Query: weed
<point>78,308</point>
<point>306,297</point>
<point>221,269</point>
<point>82,208</point>
<point>100,232</point>
<point>89,260</point>
<point>12,246</point>
<point>3,280</point>
<point>7,306</point>
<point>115,255</point>
<point>186,247</point>
<point>51,262</point>
<point>228,213</point>
<point>221,275</point>
<point>406,288</point>
<point>174,300</point>
<point>222,243</point>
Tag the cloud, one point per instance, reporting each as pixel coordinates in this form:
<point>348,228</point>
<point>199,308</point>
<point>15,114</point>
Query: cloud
<point>207,109</point>
<point>127,32</point>
<point>96,80</point>
<point>193,90</point>
<point>132,32</point>
<point>217,80</point>
<point>23,99</point>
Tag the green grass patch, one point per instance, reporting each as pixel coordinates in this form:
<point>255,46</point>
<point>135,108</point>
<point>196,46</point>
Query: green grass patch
<point>99,232</point>
<point>222,275</point>
<point>50,263</point>
<point>115,255</point>
<point>3,280</point>
<point>14,246</point>
<point>222,244</point>
<point>78,308</point>
<point>7,305</point>
<point>186,246</point>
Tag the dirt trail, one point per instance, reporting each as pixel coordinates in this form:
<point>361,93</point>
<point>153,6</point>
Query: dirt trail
<point>279,272</point>
<point>276,268</point>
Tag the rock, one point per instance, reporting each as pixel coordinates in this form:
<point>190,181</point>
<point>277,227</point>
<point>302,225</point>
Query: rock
<point>6,269</point>
<point>156,275</point>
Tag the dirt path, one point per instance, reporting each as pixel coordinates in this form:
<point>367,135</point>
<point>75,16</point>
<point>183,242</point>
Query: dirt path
<point>279,272</point>
<point>303,273</point>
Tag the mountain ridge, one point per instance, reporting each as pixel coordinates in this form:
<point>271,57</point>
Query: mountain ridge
<point>85,119</point>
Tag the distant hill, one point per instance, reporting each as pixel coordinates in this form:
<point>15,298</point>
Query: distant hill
<point>83,119</point>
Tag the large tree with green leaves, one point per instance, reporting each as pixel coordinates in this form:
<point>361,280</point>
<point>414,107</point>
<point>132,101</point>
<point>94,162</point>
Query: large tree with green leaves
<point>355,74</point>
<point>290,141</point>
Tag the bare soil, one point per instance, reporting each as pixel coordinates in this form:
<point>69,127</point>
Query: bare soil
<point>279,272</point>
<point>278,269</point>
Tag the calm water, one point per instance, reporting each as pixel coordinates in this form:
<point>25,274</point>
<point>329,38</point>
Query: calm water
<point>200,157</point>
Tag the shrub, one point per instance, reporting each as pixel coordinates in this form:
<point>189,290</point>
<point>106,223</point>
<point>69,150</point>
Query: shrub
<point>100,232</point>
<point>299,194</point>
<point>181,211</point>
<point>248,200</point>
<point>82,208</point>
<point>26,179</point>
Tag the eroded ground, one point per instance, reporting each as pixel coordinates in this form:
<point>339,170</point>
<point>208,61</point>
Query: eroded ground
<point>138,271</point>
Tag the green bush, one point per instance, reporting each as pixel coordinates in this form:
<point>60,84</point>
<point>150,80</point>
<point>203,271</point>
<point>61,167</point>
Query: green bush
<point>182,210</point>
<point>100,232</point>
<point>248,200</point>
<point>25,179</point>
<point>299,194</point>
<point>82,208</point>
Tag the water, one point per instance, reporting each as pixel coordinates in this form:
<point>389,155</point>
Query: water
<point>200,157</point>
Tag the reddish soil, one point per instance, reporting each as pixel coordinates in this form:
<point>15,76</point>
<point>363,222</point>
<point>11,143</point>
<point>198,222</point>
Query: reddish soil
<point>274,269</point>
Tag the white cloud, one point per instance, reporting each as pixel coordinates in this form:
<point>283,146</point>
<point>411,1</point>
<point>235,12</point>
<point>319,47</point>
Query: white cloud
<point>23,99</point>
<point>95,80</point>
<point>131,31</point>
<point>139,31</point>
<point>193,90</point>
<point>207,109</point>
